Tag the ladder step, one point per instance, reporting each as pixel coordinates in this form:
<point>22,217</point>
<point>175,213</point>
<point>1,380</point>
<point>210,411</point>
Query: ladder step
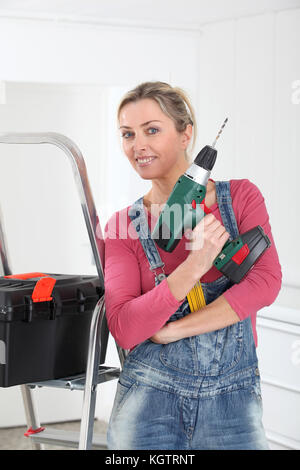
<point>66,438</point>
<point>77,382</point>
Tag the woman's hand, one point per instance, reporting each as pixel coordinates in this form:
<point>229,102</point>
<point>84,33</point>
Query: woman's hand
<point>165,335</point>
<point>205,243</point>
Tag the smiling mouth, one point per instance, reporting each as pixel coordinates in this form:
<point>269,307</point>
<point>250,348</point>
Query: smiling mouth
<point>145,159</point>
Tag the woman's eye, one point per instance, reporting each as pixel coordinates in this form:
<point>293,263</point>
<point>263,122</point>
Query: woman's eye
<point>152,130</point>
<point>126,135</point>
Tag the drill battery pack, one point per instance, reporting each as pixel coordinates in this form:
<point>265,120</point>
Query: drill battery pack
<point>239,256</point>
<point>44,326</point>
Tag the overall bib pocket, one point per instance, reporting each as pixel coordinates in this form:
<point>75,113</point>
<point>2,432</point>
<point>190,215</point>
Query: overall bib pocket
<point>181,356</point>
<point>219,351</point>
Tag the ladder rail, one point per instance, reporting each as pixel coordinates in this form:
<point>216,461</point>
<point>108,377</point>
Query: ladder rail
<point>5,263</point>
<point>90,389</point>
<point>81,180</point>
<point>31,414</point>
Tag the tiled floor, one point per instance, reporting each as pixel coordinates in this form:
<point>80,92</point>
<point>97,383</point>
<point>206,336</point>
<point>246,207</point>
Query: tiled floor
<point>13,438</point>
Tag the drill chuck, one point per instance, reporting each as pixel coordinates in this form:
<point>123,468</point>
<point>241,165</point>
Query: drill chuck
<point>206,158</point>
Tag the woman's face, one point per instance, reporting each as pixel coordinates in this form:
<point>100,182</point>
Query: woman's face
<point>150,140</point>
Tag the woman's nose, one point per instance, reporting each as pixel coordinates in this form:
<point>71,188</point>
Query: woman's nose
<point>140,142</point>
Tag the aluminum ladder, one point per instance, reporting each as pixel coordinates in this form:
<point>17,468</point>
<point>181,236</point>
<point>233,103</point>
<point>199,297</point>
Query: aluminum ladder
<point>95,374</point>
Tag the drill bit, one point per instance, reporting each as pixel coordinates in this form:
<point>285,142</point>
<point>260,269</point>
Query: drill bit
<point>220,132</point>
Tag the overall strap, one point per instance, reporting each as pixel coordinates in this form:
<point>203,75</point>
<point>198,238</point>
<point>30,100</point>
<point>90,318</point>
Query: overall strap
<point>225,208</point>
<point>138,218</point>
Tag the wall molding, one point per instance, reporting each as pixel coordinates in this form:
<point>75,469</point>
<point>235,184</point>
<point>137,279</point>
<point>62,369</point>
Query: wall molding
<point>137,23</point>
<point>282,440</point>
<point>291,285</point>
<point>265,379</point>
<point>278,325</point>
<point>119,23</point>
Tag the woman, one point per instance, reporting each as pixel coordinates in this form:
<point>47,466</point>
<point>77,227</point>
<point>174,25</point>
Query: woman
<point>191,379</point>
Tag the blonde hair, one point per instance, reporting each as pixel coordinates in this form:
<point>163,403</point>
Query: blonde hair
<point>173,101</point>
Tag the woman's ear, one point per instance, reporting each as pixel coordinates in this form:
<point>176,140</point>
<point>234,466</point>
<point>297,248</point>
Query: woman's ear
<point>187,136</point>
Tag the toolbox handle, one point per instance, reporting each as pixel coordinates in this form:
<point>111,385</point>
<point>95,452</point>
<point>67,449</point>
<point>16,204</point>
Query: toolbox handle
<point>25,276</point>
<point>43,289</point>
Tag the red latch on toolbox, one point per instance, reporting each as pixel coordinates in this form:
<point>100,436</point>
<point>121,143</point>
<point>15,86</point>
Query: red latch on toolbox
<point>43,288</point>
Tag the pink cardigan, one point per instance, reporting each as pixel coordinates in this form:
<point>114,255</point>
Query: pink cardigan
<point>136,309</point>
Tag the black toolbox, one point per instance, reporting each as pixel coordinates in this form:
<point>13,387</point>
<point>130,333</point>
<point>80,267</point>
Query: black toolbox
<point>44,326</point>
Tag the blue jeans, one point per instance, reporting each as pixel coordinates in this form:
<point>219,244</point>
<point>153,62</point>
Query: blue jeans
<point>147,417</point>
<point>201,392</point>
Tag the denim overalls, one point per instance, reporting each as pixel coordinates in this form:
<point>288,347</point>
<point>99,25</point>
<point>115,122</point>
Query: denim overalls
<point>201,392</point>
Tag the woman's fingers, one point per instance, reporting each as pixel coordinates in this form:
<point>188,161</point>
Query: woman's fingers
<point>209,228</point>
<point>206,241</point>
<point>208,225</point>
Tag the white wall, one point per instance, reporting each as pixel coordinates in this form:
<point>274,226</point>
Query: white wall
<point>68,79</point>
<point>244,69</point>
<point>39,201</point>
<point>279,359</point>
<point>249,69</point>
<point>41,210</point>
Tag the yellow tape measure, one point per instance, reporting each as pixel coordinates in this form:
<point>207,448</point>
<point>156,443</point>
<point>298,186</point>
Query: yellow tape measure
<point>196,297</point>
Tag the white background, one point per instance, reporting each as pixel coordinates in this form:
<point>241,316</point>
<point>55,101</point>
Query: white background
<point>64,67</point>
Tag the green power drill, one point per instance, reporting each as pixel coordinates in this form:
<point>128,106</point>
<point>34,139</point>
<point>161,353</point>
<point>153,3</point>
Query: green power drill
<point>185,208</point>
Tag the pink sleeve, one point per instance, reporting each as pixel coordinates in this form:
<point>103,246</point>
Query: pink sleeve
<point>132,317</point>
<point>262,284</point>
